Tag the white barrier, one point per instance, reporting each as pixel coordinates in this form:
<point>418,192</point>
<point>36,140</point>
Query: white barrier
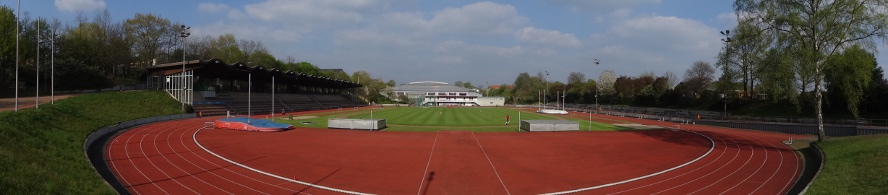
<point>549,125</point>
<point>345,123</point>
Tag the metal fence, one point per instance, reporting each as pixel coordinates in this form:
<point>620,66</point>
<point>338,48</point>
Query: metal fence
<point>797,128</point>
<point>794,125</point>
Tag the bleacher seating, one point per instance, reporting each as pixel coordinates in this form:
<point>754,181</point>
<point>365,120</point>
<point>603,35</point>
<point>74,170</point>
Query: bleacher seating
<point>238,103</point>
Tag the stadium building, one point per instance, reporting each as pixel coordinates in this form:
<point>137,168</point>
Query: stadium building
<point>213,87</point>
<point>433,93</point>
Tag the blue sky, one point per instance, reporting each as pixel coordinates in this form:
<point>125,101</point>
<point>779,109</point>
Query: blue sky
<point>475,41</point>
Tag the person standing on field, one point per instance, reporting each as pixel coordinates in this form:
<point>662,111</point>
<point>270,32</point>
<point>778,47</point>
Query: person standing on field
<point>507,120</point>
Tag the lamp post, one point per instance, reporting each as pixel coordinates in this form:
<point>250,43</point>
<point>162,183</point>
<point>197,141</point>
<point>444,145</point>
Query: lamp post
<point>186,31</point>
<point>18,12</point>
<point>596,62</point>
<point>727,40</point>
<point>52,64</point>
<point>725,101</point>
<point>546,92</point>
<point>37,86</point>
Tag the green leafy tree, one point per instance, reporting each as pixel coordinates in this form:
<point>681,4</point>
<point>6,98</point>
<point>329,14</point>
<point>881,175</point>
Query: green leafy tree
<point>151,35</point>
<point>698,77</point>
<point>847,75</point>
<point>818,30</point>
<point>739,58</point>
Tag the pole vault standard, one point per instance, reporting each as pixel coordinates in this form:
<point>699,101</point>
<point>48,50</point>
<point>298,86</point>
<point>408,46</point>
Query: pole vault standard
<point>272,98</point>
<point>249,97</point>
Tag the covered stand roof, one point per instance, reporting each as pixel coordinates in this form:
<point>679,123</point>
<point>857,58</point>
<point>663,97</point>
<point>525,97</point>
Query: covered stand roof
<point>431,86</point>
<point>239,71</point>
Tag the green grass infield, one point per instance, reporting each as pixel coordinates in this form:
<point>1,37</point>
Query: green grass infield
<point>480,119</point>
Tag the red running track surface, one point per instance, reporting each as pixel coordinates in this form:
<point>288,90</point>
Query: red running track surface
<point>178,157</point>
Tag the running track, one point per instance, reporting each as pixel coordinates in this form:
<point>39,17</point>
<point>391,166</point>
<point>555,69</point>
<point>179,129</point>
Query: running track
<point>179,157</point>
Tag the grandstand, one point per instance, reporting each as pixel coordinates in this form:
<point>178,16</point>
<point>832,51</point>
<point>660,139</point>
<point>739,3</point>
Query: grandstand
<point>433,93</point>
<point>213,87</point>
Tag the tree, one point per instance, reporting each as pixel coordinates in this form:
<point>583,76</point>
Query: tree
<point>150,36</point>
<point>468,85</point>
<point>526,88</point>
<point>575,78</point>
<point>741,55</point>
<point>605,82</point>
<point>671,79</point>
<point>848,74</point>
<point>699,76</point>
<point>7,49</point>
<point>818,30</point>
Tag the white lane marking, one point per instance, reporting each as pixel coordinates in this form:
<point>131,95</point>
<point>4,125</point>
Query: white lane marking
<point>141,142</point>
<point>194,137</point>
<point>491,163</point>
<point>181,141</point>
<point>177,166</point>
<point>425,172</point>
<point>712,146</point>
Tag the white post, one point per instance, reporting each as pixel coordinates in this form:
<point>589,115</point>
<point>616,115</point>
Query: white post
<point>52,63</point>
<point>519,121</point>
<point>37,94</point>
<point>249,96</point>
<point>590,120</point>
<point>18,12</point>
<point>272,98</point>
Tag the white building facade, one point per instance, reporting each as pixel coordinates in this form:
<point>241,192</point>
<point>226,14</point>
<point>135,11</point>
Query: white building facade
<point>433,93</point>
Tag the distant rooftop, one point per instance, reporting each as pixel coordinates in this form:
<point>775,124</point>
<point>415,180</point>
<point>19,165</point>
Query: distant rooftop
<point>431,86</point>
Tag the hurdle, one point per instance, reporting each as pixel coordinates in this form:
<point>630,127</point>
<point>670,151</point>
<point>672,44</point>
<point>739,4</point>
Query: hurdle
<point>788,142</point>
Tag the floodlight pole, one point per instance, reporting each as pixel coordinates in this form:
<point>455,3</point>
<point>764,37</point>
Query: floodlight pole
<point>272,98</point>
<point>184,34</point>
<point>18,12</point>
<point>249,96</point>
<point>37,86</point>
<point>52,64</point>
<point>546,92</point>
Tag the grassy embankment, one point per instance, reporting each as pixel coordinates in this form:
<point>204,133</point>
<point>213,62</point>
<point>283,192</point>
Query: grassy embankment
<point>456,118</point>
<point>41,149</point>
<point>854,165</point>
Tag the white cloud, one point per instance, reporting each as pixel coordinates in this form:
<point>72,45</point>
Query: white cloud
<point>482,17</point>
<point>249,32</point>
<point>413,31</point>
<point>657,44</point>
<point>546,37</point>
<point>313,13</point>
<point>601,5</point>
<point>79,5</point>
<point>212,8</point>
